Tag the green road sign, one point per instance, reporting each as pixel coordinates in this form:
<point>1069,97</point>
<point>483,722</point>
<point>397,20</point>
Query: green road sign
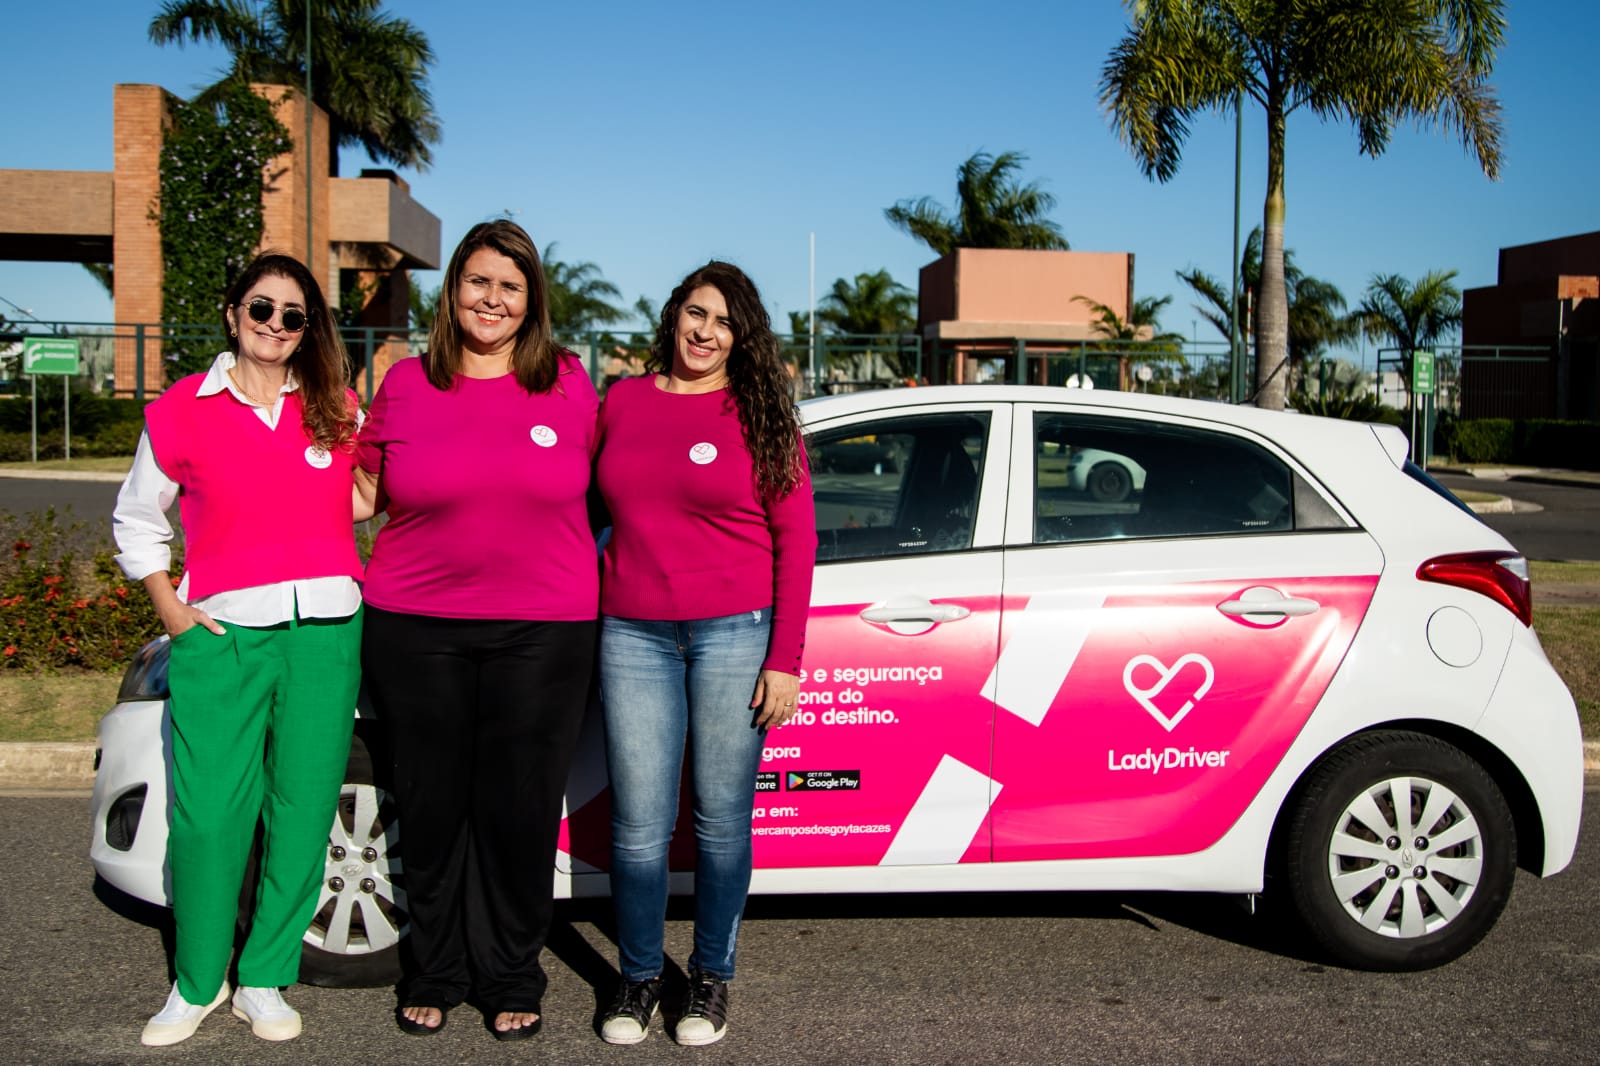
<point>1422,373</point>
<point>49,355</point>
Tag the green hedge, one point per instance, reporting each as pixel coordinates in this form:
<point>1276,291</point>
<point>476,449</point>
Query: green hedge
<point>119,438</point>
<point>1526,441</point>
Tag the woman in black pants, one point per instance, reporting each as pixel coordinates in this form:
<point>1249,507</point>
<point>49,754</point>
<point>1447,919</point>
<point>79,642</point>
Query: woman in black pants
<point>482,595</point>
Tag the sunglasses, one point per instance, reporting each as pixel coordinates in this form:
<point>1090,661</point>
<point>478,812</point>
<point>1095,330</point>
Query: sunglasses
<point>261,308</point>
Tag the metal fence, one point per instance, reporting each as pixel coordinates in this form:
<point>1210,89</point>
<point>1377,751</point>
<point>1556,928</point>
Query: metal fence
<point>1474,382</point>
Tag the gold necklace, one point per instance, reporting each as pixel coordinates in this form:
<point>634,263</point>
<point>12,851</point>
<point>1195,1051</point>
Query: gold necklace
<point>252,397</point>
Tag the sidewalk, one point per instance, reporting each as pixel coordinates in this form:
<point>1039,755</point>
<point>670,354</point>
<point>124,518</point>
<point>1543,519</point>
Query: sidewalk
<point>1537,474</point>
<point>29,474</point>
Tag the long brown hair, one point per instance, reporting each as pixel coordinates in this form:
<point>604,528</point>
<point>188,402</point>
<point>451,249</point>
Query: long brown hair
<point>535,360</point>
<point>758,380</point>
<point>320,363</point>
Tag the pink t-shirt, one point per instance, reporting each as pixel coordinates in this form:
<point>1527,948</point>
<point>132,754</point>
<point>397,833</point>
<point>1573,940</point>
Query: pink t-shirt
<point>486,488</point>
<point>690,537</point>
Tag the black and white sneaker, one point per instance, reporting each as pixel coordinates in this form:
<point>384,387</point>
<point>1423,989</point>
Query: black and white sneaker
<point>628,1018</point>
<point>705,1015</point>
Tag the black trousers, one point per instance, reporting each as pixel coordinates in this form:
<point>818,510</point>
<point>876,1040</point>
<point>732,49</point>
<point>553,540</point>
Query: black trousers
<point>483,717</point>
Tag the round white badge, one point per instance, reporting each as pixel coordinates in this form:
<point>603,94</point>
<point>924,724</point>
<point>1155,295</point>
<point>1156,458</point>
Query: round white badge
<point>543,436</point>
<point>318,457</point>
<point>703,453</point>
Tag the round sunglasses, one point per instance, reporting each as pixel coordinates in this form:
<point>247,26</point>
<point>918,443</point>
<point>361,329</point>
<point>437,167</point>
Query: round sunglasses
<point>261,308</point>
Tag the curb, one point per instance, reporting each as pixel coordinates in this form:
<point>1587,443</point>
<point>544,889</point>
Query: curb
<point>46,766</point>
<point>63,475</point>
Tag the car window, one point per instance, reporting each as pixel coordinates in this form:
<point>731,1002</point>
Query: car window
<point>901,486</point>
<point>1098,478</point>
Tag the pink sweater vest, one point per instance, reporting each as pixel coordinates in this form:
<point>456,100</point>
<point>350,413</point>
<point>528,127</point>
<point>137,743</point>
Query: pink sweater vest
<point>259,506</point>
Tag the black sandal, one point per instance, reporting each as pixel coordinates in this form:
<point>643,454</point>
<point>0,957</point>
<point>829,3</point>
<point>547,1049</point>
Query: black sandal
<point>521,1033</point>
<point>416,1028</point>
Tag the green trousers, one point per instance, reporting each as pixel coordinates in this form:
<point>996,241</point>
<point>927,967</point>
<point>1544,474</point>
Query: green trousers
<point>261,722</point>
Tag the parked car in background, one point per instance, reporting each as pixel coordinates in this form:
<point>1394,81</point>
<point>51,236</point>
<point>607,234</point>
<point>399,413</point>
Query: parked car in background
<point>1106,476</point>
<point>1284,661</point>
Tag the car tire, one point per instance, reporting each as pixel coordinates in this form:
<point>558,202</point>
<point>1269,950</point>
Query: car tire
<point>1384,889</point>
<point>1109,482</point>
<point>354,937</point>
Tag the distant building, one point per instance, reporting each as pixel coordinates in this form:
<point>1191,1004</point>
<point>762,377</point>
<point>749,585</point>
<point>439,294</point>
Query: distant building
<point>367,224</point>
<point>974,304</point>
<point>1543,316</point>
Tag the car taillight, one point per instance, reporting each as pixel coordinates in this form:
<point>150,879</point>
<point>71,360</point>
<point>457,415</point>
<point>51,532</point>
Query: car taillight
<point>1501,576</point>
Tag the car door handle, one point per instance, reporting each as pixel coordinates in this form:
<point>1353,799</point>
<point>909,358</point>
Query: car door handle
<point>1262,600</point>
<point>920,612</point>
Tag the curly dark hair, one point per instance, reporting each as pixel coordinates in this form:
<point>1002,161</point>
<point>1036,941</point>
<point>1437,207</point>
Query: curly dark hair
<point>536,359</point>
<point>320,363</point>
<point>758,380</point>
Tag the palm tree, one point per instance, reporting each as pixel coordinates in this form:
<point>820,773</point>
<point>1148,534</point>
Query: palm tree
<point>992,210</point>
<point>1369,64</point>
<point>424,304</point>
<point>872,306</point>
<point>1410,315</point>
<point>1317,319</point>
<point>1142,326</point>
<point>580,298</point>
<point>369,70</point>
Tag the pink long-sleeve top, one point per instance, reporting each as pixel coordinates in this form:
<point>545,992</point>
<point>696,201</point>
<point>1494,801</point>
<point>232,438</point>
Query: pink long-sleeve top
<point>691,538</point>
<point>487,488</point>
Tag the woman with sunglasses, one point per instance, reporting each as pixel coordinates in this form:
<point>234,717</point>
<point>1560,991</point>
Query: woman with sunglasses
<point>266,633</point>
<point>483,593</point>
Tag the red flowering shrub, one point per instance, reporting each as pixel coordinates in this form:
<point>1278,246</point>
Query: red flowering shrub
<point>63,602</point>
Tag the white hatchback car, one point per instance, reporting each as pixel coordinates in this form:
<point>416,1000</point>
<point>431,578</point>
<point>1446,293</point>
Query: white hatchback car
<point>1287,660</point>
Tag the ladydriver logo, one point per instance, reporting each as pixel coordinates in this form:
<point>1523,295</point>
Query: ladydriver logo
<point>703,453</point>
<point>1165,675</point>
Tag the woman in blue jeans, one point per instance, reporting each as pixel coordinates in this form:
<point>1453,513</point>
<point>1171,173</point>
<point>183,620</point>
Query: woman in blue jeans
<point>704,592</point>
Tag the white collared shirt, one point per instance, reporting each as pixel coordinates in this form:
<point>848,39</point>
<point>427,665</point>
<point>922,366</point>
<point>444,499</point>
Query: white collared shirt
<point>144,535</point>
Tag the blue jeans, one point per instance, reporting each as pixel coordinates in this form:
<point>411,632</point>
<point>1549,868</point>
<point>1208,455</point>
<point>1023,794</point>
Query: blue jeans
<point>663,682</point>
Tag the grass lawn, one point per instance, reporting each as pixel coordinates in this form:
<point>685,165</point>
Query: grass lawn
<point>1570,634</point>
<point>54,706</point>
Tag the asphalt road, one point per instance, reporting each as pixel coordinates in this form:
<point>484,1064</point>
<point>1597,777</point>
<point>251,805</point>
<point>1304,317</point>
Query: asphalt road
<point>90,501</point>
<point>1027,978</point>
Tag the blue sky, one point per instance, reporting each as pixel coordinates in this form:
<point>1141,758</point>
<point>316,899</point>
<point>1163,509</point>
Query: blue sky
<point>647,138</point>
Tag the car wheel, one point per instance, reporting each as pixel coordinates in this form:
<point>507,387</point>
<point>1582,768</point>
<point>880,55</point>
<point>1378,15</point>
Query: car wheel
<point>1401,852</point>
<point>354,936</point>
<point>1109,482</point>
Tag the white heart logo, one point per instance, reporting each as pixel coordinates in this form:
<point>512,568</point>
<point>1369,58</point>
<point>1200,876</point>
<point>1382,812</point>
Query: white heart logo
<point>543,436</point>
<point>318,457</point>
<point>703,453</point>
<point>1166,674</point>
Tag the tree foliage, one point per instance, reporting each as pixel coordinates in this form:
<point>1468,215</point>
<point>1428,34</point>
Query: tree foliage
<point>1317,317</point>
<point>212,159</point>
<point>1410,315</point>
<point>874,304</point>
<point>993,210</point>
<point>866,314</point>
<point>1369,63</point>
<point>369,69</point>
<point>580,296</point>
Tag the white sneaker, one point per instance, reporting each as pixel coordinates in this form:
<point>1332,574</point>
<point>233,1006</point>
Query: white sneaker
<point>269,1016</point>
<point>179,1018</point>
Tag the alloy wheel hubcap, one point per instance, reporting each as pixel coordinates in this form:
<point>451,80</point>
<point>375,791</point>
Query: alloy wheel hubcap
<point>1405,857</point>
